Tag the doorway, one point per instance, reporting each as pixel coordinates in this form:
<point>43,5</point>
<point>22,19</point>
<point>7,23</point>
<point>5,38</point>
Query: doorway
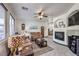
<point>50,32</point>
<point>42,31</point>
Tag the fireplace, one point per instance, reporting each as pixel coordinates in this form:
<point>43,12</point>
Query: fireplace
<point>59,36</point>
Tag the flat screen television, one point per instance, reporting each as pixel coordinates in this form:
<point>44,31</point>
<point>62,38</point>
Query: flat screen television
<point>59,36</point>
<point>74,19</point>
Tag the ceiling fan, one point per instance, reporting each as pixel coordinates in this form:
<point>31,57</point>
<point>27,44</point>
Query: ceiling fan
<point>40,14</point>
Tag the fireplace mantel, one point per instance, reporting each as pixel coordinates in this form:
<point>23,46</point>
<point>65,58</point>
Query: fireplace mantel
<point>64,42</point>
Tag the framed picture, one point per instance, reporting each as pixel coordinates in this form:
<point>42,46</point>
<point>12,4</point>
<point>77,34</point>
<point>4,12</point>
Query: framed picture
<point>23,26</point>
<point>33,27</point>
<point>61,24</point>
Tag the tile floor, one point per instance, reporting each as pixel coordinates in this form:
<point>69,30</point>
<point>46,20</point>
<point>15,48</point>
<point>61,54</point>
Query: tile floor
<point>59,50</point>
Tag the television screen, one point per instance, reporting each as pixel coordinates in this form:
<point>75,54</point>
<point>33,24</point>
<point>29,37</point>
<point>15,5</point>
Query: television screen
<point>73,20</point>
<point>59,35</point>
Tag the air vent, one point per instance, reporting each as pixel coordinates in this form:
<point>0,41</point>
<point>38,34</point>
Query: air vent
<point>24,8</point>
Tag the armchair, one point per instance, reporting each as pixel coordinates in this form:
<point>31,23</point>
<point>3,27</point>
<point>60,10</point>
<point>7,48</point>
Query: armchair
<point>21,45</point>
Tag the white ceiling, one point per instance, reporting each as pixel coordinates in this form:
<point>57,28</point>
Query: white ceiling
<point>51,9</point>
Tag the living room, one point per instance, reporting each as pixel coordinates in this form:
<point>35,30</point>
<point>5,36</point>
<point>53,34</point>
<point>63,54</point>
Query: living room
<point>46,26</point>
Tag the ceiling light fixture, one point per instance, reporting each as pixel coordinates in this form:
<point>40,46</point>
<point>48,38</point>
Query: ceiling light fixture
<point>41,14</point>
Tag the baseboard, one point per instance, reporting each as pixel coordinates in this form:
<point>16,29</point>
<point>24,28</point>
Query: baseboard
<point>61,44</point>
<point>45,36</point>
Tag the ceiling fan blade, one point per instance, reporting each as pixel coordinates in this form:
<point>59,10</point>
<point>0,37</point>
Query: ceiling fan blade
<point>42,13</point>
<point>40,10</point>
<point>35,13</point>
<point>45,16</point>
<point>40,18</point>
<point>35,16</point>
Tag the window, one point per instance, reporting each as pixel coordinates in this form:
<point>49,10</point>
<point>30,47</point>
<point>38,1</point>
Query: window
<point>12,25</point>
<point>2,23</point>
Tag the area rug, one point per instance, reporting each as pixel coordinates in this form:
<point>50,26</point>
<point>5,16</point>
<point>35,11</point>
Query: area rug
<point>39,51</point>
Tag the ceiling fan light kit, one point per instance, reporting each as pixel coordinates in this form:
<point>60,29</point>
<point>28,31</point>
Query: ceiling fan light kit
<point>41,14</point>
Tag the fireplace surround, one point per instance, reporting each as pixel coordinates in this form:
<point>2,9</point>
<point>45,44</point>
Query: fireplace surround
<point>59,36</point>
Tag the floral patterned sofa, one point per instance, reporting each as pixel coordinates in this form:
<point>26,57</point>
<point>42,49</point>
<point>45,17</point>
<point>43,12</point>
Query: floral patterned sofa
<point>20,45</point>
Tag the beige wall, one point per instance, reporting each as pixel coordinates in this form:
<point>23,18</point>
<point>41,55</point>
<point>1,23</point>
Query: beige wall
<point>29,24</point>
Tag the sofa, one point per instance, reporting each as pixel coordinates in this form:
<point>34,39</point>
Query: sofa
<point>35,35</point>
